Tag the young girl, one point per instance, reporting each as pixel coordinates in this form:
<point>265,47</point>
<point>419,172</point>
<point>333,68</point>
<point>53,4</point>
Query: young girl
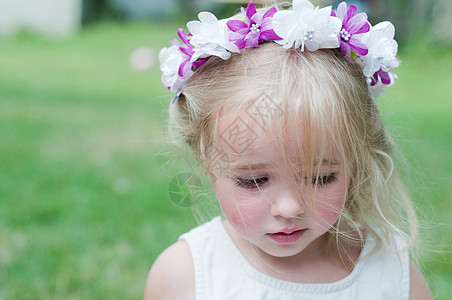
<point>279,107</point>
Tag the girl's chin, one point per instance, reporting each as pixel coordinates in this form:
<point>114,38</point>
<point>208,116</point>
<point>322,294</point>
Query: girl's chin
<point>282,251</point>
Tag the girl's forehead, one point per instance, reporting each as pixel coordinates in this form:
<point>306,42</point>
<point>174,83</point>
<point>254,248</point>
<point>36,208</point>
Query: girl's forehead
<point>250,135</point>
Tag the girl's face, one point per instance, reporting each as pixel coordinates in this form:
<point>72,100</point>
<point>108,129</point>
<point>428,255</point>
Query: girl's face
<point>281,210</point>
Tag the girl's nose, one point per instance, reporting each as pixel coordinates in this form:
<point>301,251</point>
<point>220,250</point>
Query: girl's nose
<point>287,204</point>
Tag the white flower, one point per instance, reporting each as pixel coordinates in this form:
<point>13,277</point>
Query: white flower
<point>210,37</point>
<point>307,26</point>
<point>382,48</point>
<point>170,61</point>
<point>380,88</point>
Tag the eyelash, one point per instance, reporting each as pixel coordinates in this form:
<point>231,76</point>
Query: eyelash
<point>323,179</point>
<point>252,183</point>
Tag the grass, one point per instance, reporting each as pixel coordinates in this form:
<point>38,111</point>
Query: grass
<point>418,110</point>
<point>83,177</point>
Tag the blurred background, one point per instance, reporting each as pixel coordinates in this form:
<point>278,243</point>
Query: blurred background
<point>86,201</point>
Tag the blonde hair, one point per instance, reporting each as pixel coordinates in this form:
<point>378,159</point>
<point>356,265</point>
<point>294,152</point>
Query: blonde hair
<point>330,97</point>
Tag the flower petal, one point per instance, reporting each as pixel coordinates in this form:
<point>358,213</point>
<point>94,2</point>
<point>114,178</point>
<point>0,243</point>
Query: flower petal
<point>186,51</point>
<point>269,35</point>
<point>351,12</point>
<point>283,23</point>
<point>369,67</point>
<point>384,76</point>
<point>302,5</point>
<point>231,47</point>
<point>236,25</point>
<point>207,17</point>
<point>394,64</point>
<point>329,33</point>
<point>252,35</point>
<point>345,49</point>
<point>358,24</point>
<point>250,10</point>
<point>270,13</point>
<point>342,11</point>
<point>194,27</point>
<point>182,35</point>
<point>221,54</point>
<point>176,43</point>
<point>240,43</point>
<point>386,27</point>
<point>358,46</point>
<point>234,36</point>
<point>199,63</point>
<point>252,42</point>
<point>374,79</point>
<point>182,67</point>
<point>256,18</point>
<point>267,24</point>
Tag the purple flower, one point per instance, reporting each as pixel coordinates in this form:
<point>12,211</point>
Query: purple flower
<point>384,75</point>
<point>352,24</point>
<point>186,68</point>
<point>255,30</point>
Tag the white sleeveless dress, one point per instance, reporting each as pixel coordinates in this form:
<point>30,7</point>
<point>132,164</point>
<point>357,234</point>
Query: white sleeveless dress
<point>221,272</point>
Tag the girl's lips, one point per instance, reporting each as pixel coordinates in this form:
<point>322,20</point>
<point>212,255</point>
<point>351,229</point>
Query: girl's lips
<point>287,237</point>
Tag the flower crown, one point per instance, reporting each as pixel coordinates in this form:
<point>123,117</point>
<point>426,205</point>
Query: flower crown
<point>304,27</point>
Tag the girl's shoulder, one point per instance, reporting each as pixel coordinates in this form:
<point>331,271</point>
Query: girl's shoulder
<point>172,275</point>
<point>419,289</point>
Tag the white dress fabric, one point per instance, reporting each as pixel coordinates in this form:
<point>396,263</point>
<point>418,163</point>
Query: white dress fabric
<point>221,272</point>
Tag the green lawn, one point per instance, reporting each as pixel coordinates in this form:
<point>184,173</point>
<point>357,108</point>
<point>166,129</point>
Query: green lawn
<point>85,167</point>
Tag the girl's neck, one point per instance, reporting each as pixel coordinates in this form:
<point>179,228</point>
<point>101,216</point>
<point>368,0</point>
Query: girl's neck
<point>329,264</point>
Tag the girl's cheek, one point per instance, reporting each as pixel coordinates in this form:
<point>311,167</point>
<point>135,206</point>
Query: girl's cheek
<point>329,210</point>
<point>243,214</point>
<point>329,205</point>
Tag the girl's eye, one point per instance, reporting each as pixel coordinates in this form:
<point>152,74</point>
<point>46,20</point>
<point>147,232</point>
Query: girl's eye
<point>323,179</point>
<point>251,183</point>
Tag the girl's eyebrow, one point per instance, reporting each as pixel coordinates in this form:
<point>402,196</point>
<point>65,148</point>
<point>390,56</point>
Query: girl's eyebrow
<point>247,167</point>
<point>262,166</point>
<point>326,161</point>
